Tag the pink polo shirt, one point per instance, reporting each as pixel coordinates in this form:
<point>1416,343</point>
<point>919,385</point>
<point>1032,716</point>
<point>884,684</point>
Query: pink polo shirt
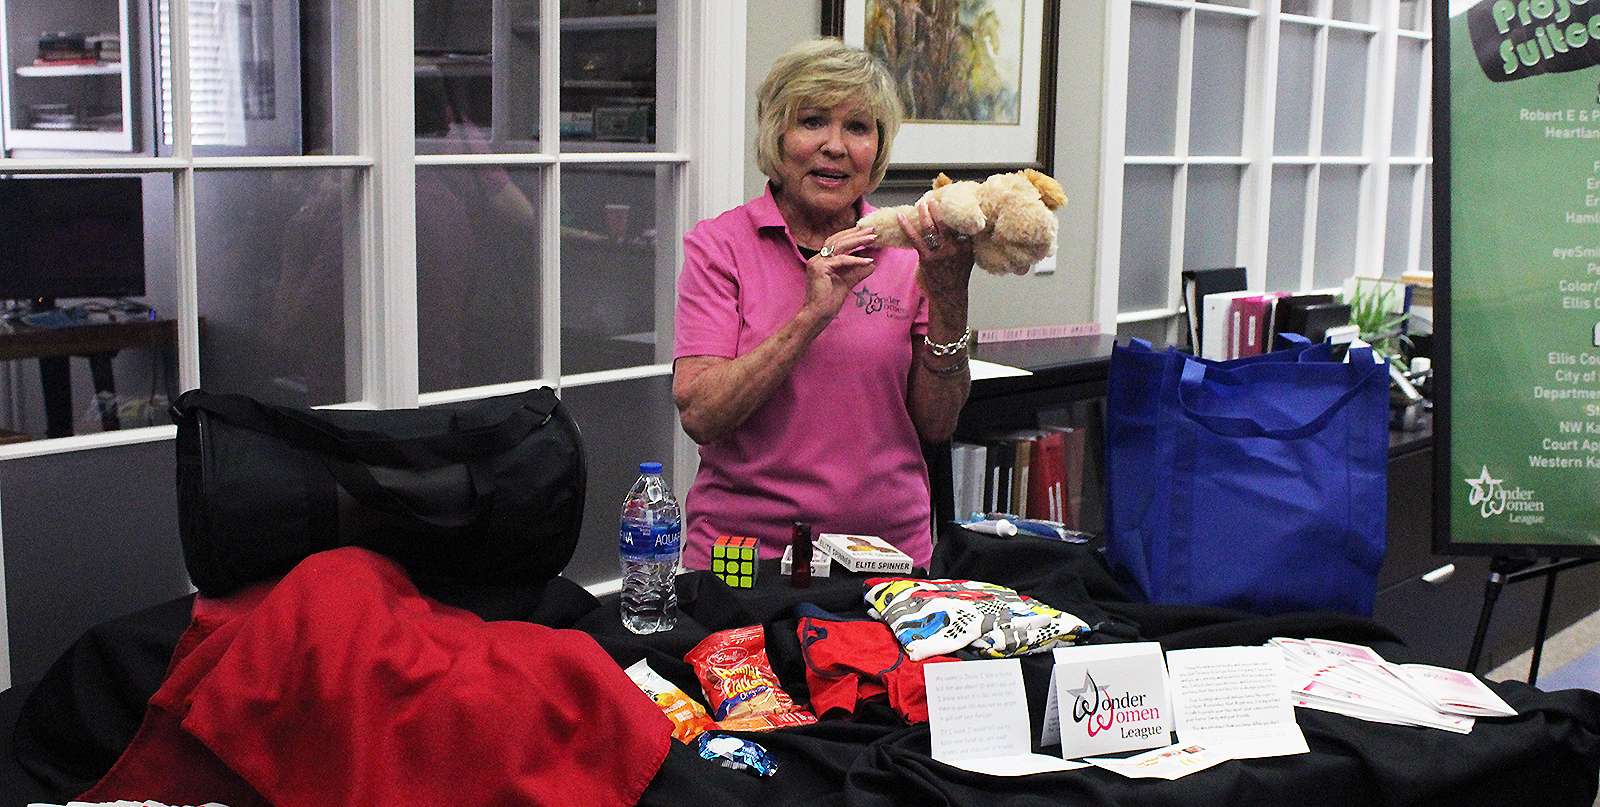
<point>834,444</point>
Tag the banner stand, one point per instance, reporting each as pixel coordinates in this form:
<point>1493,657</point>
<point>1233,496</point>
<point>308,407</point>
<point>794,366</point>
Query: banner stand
<point>1504,570</point>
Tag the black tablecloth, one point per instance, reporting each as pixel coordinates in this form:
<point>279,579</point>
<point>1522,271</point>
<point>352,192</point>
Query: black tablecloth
<point>77,719</point>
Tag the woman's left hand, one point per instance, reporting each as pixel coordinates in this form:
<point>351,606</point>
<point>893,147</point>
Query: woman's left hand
<point>944,256</point>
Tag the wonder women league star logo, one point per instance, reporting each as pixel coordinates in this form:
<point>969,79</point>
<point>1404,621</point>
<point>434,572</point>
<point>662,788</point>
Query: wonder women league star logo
<point>1487,494</point>
<point>1088,703</point>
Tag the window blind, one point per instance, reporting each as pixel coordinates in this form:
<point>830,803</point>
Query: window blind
<point>216,94</point>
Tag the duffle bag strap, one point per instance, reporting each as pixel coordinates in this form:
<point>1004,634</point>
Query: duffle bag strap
<point>347,453</point>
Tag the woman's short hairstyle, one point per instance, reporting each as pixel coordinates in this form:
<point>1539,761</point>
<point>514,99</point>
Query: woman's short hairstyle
<point>824,73</point>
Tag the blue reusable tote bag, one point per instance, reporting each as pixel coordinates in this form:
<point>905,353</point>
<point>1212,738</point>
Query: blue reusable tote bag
<point>1259,483</point>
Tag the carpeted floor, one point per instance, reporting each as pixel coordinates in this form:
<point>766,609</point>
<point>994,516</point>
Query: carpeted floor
<point>1571,659</point>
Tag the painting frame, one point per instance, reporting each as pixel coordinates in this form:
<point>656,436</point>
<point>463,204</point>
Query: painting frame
<point>925,148</point>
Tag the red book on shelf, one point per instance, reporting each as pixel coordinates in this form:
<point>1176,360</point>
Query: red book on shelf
<point>1071,495</point>
<point>65,62</point>
<point>1047,478</point>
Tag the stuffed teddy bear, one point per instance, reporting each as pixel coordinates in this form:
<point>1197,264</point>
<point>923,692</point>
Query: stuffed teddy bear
<point>1009,217</point>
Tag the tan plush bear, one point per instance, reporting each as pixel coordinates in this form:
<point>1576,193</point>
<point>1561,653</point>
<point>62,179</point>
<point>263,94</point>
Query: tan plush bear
<point>1009,217</point>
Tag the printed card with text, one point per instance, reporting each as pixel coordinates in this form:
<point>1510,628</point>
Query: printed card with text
<point>978,719</point>
<point>1109,698</point>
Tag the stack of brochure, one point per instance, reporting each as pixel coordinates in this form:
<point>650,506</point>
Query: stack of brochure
<point>1353,680</point>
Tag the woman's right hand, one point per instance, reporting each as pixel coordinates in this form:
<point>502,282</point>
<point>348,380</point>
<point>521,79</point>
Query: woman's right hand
<point>830,278</point>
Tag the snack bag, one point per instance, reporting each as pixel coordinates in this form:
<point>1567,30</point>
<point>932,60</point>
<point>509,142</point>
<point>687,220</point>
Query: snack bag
<point>739,682</point>
<point>738,753</point>
<point>689,718</point>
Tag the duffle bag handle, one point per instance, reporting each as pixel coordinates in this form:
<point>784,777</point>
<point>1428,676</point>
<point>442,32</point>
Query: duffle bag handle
<point>358,479</point>
<point>471,433</point>
<point>346,453</point>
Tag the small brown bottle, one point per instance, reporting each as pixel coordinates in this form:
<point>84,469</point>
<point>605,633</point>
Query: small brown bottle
<point>800,570</point>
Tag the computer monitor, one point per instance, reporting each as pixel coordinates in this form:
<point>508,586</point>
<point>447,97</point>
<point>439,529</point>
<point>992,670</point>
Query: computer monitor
<point>71,237</point>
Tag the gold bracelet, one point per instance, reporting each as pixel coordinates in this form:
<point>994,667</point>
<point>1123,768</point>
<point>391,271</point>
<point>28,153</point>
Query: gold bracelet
<point>961,364</point>
<point>948,348</point>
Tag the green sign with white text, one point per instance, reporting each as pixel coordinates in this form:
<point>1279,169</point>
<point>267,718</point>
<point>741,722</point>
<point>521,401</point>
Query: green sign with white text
<point>1521,309</point>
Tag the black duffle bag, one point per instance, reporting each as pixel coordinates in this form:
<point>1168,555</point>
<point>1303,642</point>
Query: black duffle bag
<point>488,491</point>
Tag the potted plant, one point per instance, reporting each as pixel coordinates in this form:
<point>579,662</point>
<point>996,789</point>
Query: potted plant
<point>1373,310</point>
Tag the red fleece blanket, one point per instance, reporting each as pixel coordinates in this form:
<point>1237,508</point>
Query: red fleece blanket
<point>341,684</point>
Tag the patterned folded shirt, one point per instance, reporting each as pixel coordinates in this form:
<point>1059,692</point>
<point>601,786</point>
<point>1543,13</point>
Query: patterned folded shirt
<point>938,617</point>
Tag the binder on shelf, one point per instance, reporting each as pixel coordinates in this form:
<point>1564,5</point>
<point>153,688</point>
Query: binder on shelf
<point>1197,283</point>
<point>1323,316</point>
<point>1248,320</point>
<point>1288,316</point>
<point>1219,339</point>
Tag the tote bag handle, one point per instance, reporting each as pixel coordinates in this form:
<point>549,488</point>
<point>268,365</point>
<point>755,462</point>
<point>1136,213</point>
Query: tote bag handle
<point>1194,373</point>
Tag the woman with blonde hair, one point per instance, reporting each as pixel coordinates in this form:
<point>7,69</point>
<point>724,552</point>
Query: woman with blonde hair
<point>808,363</point>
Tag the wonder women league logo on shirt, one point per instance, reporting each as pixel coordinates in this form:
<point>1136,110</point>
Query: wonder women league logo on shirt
<point>871,302</point>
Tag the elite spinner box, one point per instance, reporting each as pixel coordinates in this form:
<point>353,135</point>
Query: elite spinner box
<point>864,553</point>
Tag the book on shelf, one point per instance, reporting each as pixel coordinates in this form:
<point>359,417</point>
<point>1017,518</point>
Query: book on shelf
<point>1028,471</point>
<point>1047,484</point>
<point>1197,283</point>
<point>1021,469</point>
<point>997,475</point>
<point>967,465</point>
<point>1073,445</point>
<point>76,61</point>
<point>1034,473</point>
<point>1069,422</point>
<point>1009,464</point>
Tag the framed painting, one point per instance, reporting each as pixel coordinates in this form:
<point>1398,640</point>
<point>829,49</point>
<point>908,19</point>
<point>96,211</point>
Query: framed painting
<point>976,77</point>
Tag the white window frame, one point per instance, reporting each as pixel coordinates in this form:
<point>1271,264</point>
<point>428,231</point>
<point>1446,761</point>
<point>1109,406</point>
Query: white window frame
<point>709,116</point>
<point>1376,160</point>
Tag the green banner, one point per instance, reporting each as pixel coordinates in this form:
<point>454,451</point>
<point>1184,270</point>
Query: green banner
<point>1523,263</point>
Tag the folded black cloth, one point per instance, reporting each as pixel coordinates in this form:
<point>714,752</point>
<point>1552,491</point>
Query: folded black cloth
<point>79,717</point>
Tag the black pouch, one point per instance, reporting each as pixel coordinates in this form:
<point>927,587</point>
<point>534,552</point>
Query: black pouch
<point>487,491</point>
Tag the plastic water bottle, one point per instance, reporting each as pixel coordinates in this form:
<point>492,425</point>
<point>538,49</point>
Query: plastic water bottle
<point>650,543</point>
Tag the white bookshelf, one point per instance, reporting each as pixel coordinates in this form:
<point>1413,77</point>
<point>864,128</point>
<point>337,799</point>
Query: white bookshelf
<point>23,83</point>
<point>70,70</point>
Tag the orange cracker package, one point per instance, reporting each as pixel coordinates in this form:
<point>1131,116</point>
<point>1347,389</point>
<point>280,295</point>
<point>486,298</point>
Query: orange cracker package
<point>689,718</point>
<point>739,683</point>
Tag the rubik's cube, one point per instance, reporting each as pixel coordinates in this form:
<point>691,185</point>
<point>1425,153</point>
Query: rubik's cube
<point>733,558</point>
